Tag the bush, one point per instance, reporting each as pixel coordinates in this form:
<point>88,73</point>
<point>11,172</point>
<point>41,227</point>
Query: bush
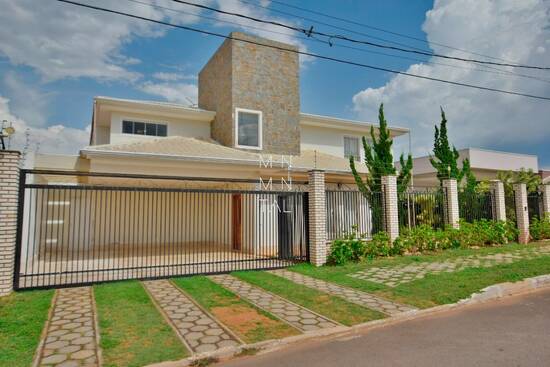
<point>424,238</point>
<point>540,228</point>
<point>354,248</point>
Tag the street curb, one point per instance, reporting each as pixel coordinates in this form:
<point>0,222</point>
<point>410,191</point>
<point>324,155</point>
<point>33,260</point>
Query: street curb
<point>490,293</point>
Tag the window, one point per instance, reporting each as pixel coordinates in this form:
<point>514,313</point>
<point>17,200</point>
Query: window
<point>143,128</point>
<point>249,129</point>
<point>351,147</point>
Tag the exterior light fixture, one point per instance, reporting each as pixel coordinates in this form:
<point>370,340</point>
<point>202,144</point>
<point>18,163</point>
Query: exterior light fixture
<point>6,133</point>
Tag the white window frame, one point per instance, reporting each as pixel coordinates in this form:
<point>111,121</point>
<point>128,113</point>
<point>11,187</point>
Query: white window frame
<point>260,125</point>
<point>358,158</point>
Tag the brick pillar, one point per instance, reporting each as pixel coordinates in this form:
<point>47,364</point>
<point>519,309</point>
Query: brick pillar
<point>499,209</point>
<point>391,218</point>
<point>317,218</point>
<point>522,213</point>
<point>545,190</point>
<point>9,193</point>
<point>453,214</point>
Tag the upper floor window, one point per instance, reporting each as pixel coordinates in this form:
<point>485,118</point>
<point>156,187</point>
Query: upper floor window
<point>248,129</point>
<point>143,128</point>
<point>351,147</point>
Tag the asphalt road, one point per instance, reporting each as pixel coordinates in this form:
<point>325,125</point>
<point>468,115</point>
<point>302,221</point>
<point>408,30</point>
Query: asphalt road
<point>510,332</point>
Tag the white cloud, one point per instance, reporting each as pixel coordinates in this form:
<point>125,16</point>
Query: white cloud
<point>172,77</point>
<point>29,103</point>
<point>61,40</point>
<point>476,118</point>
<point>173,92</point>
<point>57,139</point>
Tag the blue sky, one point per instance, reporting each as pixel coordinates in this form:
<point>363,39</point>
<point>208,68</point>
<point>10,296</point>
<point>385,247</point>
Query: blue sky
<point>55,59</point>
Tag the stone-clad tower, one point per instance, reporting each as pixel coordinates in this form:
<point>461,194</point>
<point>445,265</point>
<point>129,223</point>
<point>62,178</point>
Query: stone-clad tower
<point>242,75</point>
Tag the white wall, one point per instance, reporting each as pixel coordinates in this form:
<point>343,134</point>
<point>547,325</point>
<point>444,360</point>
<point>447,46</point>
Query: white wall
<point>175,127</point>
<point>326,140</point>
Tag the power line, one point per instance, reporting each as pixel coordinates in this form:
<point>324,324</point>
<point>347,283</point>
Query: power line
<point>498,70</point>
<point>328,24</point>
<point>379,29</point>
<point>330,37</point>
<point>280,48</point>
<point>313,39</point>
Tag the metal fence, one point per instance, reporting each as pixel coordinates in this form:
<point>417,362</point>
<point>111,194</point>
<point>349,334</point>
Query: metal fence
<point>535,205</point>
<point>425,207</point>
<point>510,205</point>
<point>351,210</point>
<point>475,206</point>
<point>77,234</point>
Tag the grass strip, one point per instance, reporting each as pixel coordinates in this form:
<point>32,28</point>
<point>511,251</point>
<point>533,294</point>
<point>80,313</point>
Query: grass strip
<point>133,332</point>
<point>250,323</point>
<point>333,307</point>
<point>434,289</point>
<point>22,318</point>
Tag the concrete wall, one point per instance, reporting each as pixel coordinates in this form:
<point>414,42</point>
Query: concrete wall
<point>327,140</point>
<point>175,127</point>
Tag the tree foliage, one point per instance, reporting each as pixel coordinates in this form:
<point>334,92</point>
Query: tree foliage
<point>379,160</point>
<point>531,179</point>
<point>445,158</point>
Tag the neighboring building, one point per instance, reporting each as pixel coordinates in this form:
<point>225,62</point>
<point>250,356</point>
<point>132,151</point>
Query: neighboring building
<point>485,165</point>
<point>545,175</point>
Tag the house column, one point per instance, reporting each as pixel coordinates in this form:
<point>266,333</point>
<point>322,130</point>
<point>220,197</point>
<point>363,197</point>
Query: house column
<point>391,216</point>
<point>522,213</point>
<point>317,218</point>
<point>545,190</point>
<point>499,209</point>
<point>453,213</point>
<point>9,196</point>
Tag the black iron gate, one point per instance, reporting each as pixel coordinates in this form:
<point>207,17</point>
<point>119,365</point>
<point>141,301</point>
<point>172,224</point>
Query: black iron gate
<point>90,230</point>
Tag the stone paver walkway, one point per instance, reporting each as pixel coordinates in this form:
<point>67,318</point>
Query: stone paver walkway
<point>393,276</point>
<point>351,295</point>
<point>199,330</point>
<point>295,315</point>
<point>70,339</point>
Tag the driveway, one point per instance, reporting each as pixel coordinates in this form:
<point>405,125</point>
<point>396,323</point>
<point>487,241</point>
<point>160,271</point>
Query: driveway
<point>510,332</point>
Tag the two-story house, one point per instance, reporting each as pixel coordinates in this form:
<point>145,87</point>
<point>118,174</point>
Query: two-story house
<point>248,110</point>
<point>114,219</point>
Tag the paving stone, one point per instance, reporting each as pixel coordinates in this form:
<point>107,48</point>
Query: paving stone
<point>399,274</point>
<point>351,295</point>
<point>273,304</point>
<point>200,331</point>
<point>75,345</point>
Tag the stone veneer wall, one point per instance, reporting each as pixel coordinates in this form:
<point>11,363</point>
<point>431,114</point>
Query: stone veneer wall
<point>215,86</point>
<point>245,75</point>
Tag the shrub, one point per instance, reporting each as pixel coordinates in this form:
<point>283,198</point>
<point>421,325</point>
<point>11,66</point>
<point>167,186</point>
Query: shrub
<point>424,238</point>
<point>379,246</point>
<point>540,228</point>
<point>350,248</point>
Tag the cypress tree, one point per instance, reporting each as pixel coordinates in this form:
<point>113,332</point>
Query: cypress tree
<point>445,158</point>
<point>379,160</point>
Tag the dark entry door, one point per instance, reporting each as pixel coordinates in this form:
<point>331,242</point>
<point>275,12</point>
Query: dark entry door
<point>236,214</point>
<point>285,221</point>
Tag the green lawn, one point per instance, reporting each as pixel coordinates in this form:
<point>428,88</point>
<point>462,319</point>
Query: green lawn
<point>435,289</point>
<point>22,318</point>
<point>332,307</point>
<point>133,332</point>
<point>250,323</point>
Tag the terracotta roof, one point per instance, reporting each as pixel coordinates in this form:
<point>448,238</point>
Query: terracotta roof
<point>208,150</point>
